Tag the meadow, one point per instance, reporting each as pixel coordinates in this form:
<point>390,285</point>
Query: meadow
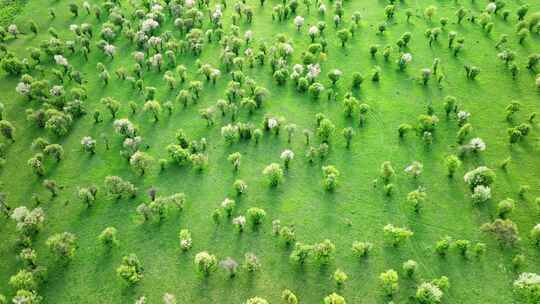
<point>226,151</point>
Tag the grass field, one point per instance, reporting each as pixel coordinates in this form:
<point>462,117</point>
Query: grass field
<point>355,211</point>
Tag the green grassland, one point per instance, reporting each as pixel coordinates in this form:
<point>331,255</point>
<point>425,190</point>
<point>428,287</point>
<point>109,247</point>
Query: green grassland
<point>356,210</point>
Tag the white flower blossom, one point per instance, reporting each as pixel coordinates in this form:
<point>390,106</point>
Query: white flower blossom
<point>287,155</point>
<point>491,7</point>
<point>23,88</point>
<point>149,24</point>
<point>477,144</point>
<point>481,194</point>
<point>313,30</point>
<point>299,21</point>
<point>313,71</point>
<point>61,60</point>
<point>272,123</point>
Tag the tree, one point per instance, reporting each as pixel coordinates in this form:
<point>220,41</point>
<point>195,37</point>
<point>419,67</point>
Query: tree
<point>300,253</point>
<point>505,231</point>
<point>24,279</point>
<point>389,282</point>
<point>410,267</point>
<point>205,262</point>
<point>481,176</point>
<point>251,262</point>
<point>452,163</point>
<point>325,130</point>
<point>54,150</point>
<point>256,215</point>
<point>63,245</point>
<point>230,266</point>
<point>535,234</point>
<point>256,300</point>
<point>396,235</point>
<point>130,269</point>
<point>287,155</point>
<point>344,35</point>
<point>528,286</point>
<point>387,171</point>
<point>7,129</point>
<point>141,161</point>
<point>185,239</point>
<point>348,134</point>
<point>340,277</point>
<point>330,176</point>
<point>234,159</point>
<point>88,144</point>
<point>274,174</point>
<point>289,297</point>
<point>361,249</point>
<point>154,108</point>
<point>109,237</point>
<point>323,251</point>
<point>334,298</point>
